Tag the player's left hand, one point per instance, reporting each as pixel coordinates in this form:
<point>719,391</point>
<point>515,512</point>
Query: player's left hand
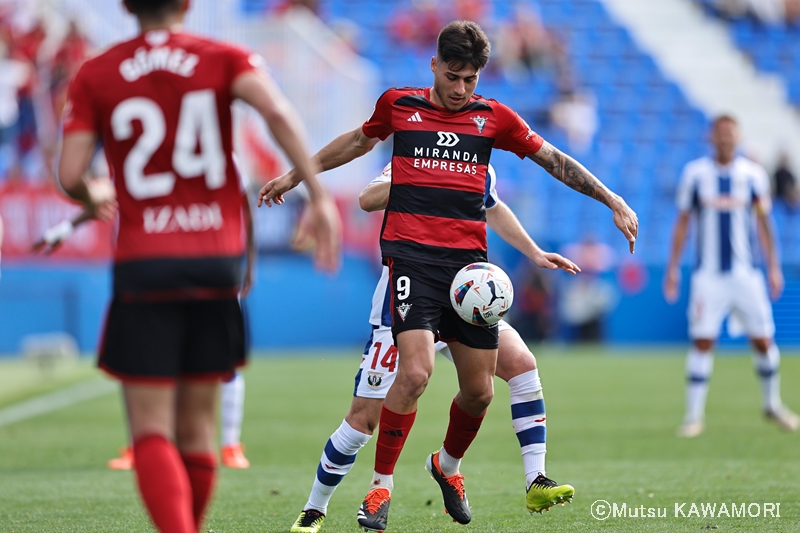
<point>274,190</point>
<point>776,282</point>
<point>326,227</point>
<point>554,261</point>
<point>102,201</point>
<point>626,220</point>
<point>247,279</point>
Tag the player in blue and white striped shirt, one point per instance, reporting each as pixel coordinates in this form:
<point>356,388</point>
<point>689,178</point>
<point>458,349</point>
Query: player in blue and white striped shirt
<point>724,192</point>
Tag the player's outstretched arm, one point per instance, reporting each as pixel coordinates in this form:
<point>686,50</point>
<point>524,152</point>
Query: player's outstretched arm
<point>505,223</point>
<point>97,194</point>
<point>672,275</point>
<point>250,254</point>
<point>567,170</point>
<point>338,152</point>
<point>55,236</point>
<point>259,91</point>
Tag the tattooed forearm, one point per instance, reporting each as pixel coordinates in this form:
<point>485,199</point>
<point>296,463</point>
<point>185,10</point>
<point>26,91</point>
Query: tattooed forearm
<point>571,173</point>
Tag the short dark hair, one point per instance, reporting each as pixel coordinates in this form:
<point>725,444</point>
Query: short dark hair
<point>153,8</point>
<point>463,42</point>
<point>725,117</point>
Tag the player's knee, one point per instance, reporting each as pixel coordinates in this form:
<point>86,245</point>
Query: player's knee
<point>703,345</point>
<point>194,434</point>
<point>513,363</point>
<point>413,383</point>
<point>477,401</point>
<point>761,345</point>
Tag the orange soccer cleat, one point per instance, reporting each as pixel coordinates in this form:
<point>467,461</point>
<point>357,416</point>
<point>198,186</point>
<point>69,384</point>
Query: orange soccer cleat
<point>233,456</point>
<point>124,461</point>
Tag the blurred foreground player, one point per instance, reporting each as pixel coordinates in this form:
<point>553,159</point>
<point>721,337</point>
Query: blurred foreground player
<point>161,105</point>
<point>723,192</point>
<point>232,390</point>
<point>515,364</point>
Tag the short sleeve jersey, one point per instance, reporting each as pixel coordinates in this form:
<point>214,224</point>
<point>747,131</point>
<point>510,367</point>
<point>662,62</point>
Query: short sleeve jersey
<point>161,106</point>
<point>722,198</point>
<point>436,210</point>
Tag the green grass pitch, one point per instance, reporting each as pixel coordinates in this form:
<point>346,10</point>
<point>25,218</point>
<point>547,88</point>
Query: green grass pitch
<point>611,422</point>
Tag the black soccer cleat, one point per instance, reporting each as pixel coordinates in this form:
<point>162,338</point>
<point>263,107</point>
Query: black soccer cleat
<point>455,499</point>
<point>374,512</point>
<point>309,521</point>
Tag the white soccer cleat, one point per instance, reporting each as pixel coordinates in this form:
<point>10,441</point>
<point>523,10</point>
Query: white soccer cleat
<point>690,430</point>
<point>786,419</point>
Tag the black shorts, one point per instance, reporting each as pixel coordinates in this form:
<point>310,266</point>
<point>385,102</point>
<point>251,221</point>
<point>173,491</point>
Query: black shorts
<point>161,342</point>
<point>421,300</point>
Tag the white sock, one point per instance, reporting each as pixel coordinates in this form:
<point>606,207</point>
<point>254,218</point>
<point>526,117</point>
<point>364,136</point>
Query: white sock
<point>232,410</point>
<point>699,366</point>
<point>529,421</point>
<point>448,463</point>
<point>336,461</point>
<point>382,481</point>
<point>767,365</point>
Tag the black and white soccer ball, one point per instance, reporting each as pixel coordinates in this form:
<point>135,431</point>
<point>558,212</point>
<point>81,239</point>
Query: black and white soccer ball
<point>481,293</point>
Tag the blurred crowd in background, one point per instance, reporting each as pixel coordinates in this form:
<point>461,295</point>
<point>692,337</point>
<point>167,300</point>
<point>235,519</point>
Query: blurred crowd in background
<point>36,64</point>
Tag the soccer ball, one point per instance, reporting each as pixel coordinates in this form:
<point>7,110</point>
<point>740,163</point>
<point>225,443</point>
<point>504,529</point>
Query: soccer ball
<point>481,294</point>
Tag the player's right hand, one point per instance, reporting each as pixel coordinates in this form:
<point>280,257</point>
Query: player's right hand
<point>671,284</point>
<point>273,191</point>
<point>55,236</point>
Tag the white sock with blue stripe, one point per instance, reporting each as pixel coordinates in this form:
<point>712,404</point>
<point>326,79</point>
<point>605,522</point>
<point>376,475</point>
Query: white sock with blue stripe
<point>528,418</point>
<point>699,365</point>
<point>767,365</point>
<point>336,461</point>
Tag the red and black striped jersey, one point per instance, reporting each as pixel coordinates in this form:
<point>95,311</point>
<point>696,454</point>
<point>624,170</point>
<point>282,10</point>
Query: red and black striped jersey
<point>161,105</point>
<point>436,210</point>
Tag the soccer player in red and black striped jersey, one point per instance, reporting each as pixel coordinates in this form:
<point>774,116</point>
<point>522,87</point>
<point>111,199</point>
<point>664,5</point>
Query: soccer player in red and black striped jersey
<point>161,104</point>
<point>435,224</point>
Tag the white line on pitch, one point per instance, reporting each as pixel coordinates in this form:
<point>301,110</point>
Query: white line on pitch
<point>79,392</point>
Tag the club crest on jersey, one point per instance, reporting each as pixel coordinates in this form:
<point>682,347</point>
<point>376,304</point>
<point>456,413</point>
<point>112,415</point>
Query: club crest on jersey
<point>480,122</point>
<point>374,379</point>
<point>402,310</point>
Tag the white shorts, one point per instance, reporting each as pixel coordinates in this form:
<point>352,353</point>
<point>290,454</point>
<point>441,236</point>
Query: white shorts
<point>379,364</point>
<point>741,295</point>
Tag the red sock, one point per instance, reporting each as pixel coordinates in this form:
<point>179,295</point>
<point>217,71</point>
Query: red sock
<point>392,434</point>
<point>461,431</point>
<point>202,470</point>
<point>163,484</point>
